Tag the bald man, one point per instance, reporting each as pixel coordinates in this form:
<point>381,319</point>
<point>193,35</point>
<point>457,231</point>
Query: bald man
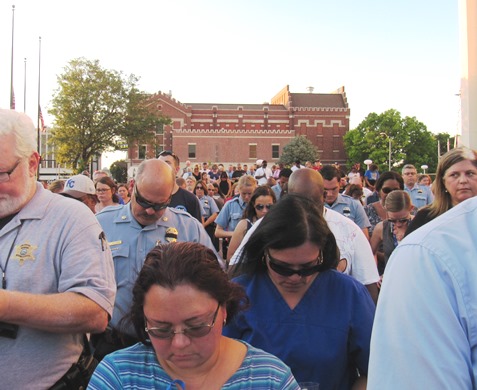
<point>134,229</point>
<point>356,256</point>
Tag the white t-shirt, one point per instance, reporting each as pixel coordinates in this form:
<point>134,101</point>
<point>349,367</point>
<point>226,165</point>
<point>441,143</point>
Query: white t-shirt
<point>351,241</point>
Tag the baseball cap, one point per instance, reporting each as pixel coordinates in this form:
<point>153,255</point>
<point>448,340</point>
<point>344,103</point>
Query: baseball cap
<point>78,186</point>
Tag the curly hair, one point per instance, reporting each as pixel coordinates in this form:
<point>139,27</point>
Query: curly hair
<point>184,263</point>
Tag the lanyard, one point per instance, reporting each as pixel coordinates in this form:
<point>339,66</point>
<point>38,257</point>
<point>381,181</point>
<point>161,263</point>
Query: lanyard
<point>4,270</point>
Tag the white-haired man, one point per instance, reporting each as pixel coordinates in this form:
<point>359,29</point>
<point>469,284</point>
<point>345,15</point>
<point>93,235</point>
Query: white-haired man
<point>58,278</point>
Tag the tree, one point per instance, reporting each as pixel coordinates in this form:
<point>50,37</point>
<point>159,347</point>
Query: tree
<point>119,171</point>
<point>411,142</point>
<point>299,148</point>
<point>96,109</point>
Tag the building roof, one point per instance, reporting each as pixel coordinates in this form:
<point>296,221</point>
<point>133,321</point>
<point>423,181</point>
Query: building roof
<point>328,100</point>
<point>231,106</point>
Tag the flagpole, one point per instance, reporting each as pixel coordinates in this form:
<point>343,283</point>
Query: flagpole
<point>12,98</point>
<point>38,108</point>
<point>24,87</point>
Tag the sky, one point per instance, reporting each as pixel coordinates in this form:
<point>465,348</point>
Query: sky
<point>401,55</point>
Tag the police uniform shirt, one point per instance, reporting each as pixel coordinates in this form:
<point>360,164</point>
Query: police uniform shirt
<point>231,214</point>
<point>130,243</point>
<point>350,208</point>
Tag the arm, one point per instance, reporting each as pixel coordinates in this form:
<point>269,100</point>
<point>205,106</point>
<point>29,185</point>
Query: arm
<point>66,312</point>
<point>237,238</point>
<point>211,219</point>
<point>377,237</point>
<point>221,233</point>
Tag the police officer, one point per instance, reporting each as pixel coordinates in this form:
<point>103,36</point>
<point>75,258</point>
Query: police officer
<point>132,230</point>
<point>57,271</point>
<point>343,204</point>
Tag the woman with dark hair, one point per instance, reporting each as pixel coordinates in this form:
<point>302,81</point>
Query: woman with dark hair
<point>106,192</point>
<point>388,181</point>
<point>210,211</point>
<point>314,318</point>
<point>225,185</point>
<point>123,192</point>
<point>263,198</point>
<point>456,181</point>
<point>181,301</point>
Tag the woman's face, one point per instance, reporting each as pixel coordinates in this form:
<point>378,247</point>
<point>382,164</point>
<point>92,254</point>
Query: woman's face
<point>200,190</point>
<point>298,258</point>
<point>123,192</point>
<point>178,309</point>
<point>399,218</point>
<point>104,192</point>
<point>262,205</point>
<point>425,181</point>
<point>460,181</point>
<point>388,186</point>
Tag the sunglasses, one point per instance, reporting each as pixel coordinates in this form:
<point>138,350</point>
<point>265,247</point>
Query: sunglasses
<point>287,271</point>
<point>401,220</point>
<point>388,190</point>
<point>199,188</point>
<point>148,205</point>
<point>192,331</point>
<point>260,207</point>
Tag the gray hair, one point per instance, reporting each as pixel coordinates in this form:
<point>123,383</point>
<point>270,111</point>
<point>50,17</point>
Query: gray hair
<point>22,128</point>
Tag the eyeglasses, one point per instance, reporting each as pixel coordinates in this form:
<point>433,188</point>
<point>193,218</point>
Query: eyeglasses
<point>192,331</point>
<point>388,190</point>
<point>260,207</point>
<point>287,271</point>
<point>101,190</point>
<point>5,176</point>
<point>199,188</point>
<point>148,205</point>
<point>401,220</point>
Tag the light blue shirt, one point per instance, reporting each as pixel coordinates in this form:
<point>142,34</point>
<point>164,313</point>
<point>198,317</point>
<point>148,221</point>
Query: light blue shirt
<point>208,206</point>
<point>130,243</point>
<point>350,208</point>
<point>420,195</point>
<point>231,214</point>
<point>425,329</point>
<point>277,189</point>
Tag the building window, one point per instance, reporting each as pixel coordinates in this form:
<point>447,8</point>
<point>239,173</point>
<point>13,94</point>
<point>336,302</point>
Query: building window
<point>252,150</point>
<point>192,151</point>
<point>160,129</point>
<point>142,152</point>
<point>275,151</point>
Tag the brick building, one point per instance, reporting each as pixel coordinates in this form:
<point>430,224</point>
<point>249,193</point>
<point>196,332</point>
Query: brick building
<point>233,133</point>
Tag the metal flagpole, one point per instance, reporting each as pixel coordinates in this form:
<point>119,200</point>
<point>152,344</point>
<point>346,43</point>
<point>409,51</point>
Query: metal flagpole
<point>12,93</point>
<point>38,113</point>
<point>24,87</point>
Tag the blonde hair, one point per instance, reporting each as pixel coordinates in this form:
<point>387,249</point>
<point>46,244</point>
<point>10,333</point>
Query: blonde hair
<point>397,201</point>
<point>246,181</point>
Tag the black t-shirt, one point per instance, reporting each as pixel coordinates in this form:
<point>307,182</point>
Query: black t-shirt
<point>5,220</point>
<point>187,201</point>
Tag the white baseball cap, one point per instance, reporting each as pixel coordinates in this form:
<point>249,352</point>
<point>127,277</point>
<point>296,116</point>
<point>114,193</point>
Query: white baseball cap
<point>78,186</point>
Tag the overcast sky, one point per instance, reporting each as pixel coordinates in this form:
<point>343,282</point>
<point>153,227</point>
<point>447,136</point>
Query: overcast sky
<point>387,54</point>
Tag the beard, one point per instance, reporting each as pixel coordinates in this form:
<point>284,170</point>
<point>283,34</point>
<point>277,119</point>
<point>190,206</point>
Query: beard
<point>12,204</point>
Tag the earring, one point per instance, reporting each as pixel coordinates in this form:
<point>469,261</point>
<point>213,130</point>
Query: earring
<point>225,321</point>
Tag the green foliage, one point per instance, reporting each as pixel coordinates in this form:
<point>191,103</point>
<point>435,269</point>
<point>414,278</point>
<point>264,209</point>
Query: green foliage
<point>119,171</point>
<point>299,148</point>
<point>96,109</point>
<point>411,142</point>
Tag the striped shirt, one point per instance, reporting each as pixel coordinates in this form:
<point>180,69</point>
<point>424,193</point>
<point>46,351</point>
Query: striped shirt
<point>137,367</point>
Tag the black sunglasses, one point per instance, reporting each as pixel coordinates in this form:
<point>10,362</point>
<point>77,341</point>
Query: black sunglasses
<point>260,207</point>
<point>402,220</point>
<point>287,271</point>
<point>388,190</point>
<point>199,188</point>
<point>148,205</point>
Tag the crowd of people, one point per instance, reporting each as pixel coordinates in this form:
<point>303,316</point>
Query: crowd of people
<point>250,276</point>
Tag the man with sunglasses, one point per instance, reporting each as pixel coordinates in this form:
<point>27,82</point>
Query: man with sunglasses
<point>181,199</point>
<point>57,271</point>
<point>132,231</point>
